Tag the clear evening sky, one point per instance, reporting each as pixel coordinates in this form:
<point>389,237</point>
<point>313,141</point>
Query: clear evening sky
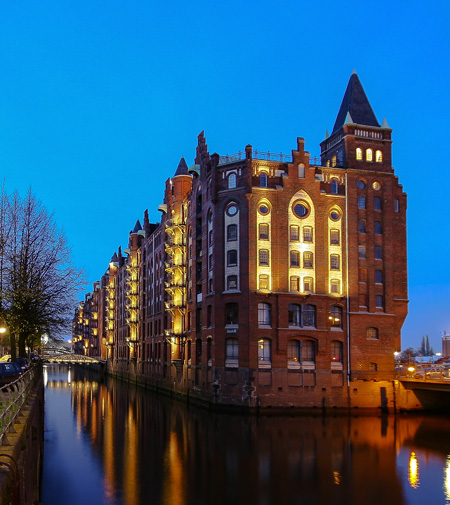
<point>100,99</point>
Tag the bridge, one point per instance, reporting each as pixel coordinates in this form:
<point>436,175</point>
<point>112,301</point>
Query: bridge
<point>71,358</point>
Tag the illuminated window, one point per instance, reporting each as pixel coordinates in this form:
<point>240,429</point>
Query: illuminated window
<point>294,315</point>
<point>308,351</point>
<point>377,228</point>
<point>263,257</point>
<point>294,283</point>
<point>378,277</point>
<point>334,187</point>
<point>231,181</point>
<point>378,252</point>
<point>231,351</point>
<point>231,313</point>
<point>369,154</point>
<point>361,202</point>
<point>309,315</point>
<point>372,333</point>
<point>264,281</point>
<point>361,226</point>
<point>263,231</point>
<point>264,314</point>
<point>301,171</point>
<point>295,258</point>
<point>359,154</point>
<point>307,259</point>
<point>333,161</point>
<point>379,301</point>
<point>336,351</point>
<point>232,232</point>
<point>263,180</point>
<point>335,286</point>
<point>232,258</point>
<point>378,156</point>
<point>328,163</point>
<point>294,351</point>
<point>362,252</point>
<point>377,205</point>
<point>264,354</point>
<point>308,284</point>
<point>232,282</point>
<point>376,186</point>
<point>335,263</point>
<point>335,316</point>
<point>307,234</point>
<point>334,237</point>
<point>294,233</point>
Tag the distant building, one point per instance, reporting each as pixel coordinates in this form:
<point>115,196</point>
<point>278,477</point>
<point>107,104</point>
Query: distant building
<point>446,345</point>
<point>271,280</point>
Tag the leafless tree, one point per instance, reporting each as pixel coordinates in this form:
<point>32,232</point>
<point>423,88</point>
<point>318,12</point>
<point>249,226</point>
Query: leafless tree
<point>39,284</point>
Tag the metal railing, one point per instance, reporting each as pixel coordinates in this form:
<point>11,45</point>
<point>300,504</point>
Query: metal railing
<point>13,397</point>
<point>264,155</point>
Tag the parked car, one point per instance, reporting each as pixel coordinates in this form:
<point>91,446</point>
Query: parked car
<point>23,363</point>
<point>6,357</point>
<point>9,372</point>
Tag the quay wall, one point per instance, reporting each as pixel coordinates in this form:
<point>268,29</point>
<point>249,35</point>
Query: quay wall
<point>21,458</point>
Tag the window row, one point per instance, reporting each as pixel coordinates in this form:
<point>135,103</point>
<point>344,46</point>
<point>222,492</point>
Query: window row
<point>363,276</point>
<point>308,259</point>
<point>377,227</point>
<point>362,253</point>
<point>369,155</point>
<point>377,203</point>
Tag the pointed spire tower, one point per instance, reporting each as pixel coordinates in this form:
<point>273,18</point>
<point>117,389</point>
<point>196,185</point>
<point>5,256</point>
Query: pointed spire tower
<point>357,139</point>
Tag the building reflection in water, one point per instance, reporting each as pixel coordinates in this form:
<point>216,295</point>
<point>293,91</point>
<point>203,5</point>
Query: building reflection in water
<point>154,450</point>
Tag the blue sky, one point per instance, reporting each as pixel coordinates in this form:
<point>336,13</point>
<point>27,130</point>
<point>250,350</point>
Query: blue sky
<point>100,99</point>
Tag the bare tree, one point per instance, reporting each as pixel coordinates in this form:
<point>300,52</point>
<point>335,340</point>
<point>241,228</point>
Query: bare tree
<point>39,284</point>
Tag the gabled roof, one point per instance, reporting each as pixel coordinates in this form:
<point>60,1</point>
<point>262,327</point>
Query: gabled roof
<point>355,105</point>
<point>114,258</point>
<point>182,168</point>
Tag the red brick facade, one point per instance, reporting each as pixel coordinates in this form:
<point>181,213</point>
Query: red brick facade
<point>269,282</point>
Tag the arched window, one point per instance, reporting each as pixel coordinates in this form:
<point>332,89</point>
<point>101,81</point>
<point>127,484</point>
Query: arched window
<point>333,161</point>
<point>232,313</point>
<point>308,259</point>
<point>294,315</point>
<point>263,231</point>
<point>231,352</point>
<point>378,156</point>
<point>309,315</point>
<point>335,316</point>
<point>232,258</point>
<point>264,352</point>
<point>232,230</point>
<point>369,154</point>
<point>294,283</point>
<point>232,181</point>
<point>232,282</point>
<point>359,154</point>
<point>263,180</point>
<point>372,333</point>
<point>264,282</point>
<point>294,258</point>
<point>294,353</point>
<point>264,314</point>
<point>336,352</point>
<point>264,257</point>
<point>308,354</point>
<point>308,284</point>
<point>334,187</point>
<point>301,171</point>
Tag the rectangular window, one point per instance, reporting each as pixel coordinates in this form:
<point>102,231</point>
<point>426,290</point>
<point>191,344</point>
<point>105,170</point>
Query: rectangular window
<point>335,286</point>
<point>334,237</point>
<point>263,257</point>
<point>377,203</point>
<point>210,238</point>
<point>232,282</point>
<point>362,252</point>
<point>264,282</point>
<point>379,301</point>
<point>335,263</point>
<point>294,233</point>
<point>210,262</point>
<point>361,202</point>
<point>263,231</point>
<point>378,252</point>
<point>308,284</point>
<point>377,228</point>
<point>307,234</point>
<point>232,232</point>
<point>294,283</point>
<point>361,226</point>
<point>295,258</point>
<point>307,259</point>
<point>264,314</point>
<point>264,354</point>
<point>309,315</point>
<point>232,258</point>
<point>378,277</point>
<point>397,205</point>
<point>294,313</point>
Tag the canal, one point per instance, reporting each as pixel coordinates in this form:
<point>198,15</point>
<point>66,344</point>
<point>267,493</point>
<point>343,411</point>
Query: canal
<point>110,443</point>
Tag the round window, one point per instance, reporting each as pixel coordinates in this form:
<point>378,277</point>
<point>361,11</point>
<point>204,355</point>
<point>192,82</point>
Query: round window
<point>361,184</point>
<point>334,215</point>
<point>300,209</point>
<point>232,210</point>
<point>264,209</point>
<point>376,186</point>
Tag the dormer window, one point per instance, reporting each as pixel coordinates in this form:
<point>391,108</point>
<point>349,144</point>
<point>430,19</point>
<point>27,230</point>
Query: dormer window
<point>263,180</point>
<point>231,181</point>
<point>359,154</point>
<point>369,154</point>
<point>334,187</point>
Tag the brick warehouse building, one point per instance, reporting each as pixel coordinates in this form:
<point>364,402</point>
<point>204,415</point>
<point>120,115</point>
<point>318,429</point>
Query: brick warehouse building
<point>271,281</point>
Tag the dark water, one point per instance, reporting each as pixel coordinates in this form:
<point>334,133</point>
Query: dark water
<point>107,443</point>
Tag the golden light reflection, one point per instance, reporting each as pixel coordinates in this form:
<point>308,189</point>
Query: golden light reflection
<point>447,478</point>
<point>413,476</point>
<point>337,478</point>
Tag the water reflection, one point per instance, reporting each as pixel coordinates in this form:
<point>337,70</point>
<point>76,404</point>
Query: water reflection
<point>107,443</point>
